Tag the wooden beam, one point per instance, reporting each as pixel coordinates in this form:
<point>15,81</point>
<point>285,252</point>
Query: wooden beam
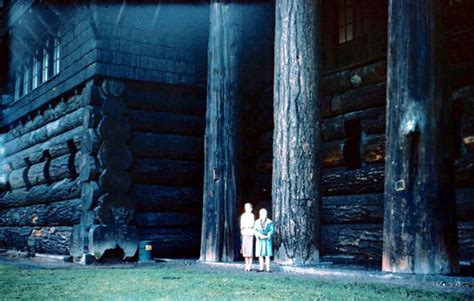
<point>221,184</point>
<point>297,132</point>
<point>420,232</point>
<point>41,18</point>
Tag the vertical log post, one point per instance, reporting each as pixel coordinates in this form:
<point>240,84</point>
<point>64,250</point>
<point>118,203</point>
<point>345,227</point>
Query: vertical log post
<point>221,183</point>
<point>420,233</point>
<point>297,132</point>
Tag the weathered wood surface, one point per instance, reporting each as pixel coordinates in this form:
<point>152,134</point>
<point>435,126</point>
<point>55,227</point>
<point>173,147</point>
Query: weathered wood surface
<point>419,221</point>
<point>115,154</point>
<point>166,123</point>
<point>167,99</point>
<point>341,81</point>
<point>465,204</point>
<point>352,209</point>
<point>90,143</point>
<point>57,127</point>
<point>372,121</point>
<point>356,99</point>
<point>166,199</point>
<point>89,167</point>
<point>50,240</point>
<point>114,208</point>
<point>341,181</point>
<point>49,115</point>
<point>114,127</point>
<point>297,133</point>
<point>41,194</point>
<point>167,172</point>
<point>168,219</point>
<point>466,240</point>
<point>115,180</point>
<point>90,192</point>
<point>44,172</point>
<point>56,146</point>
<point>357,243</point>
<point>168,243</point>
<point>373,149</point>
<point>464,171</point>
<point>62,213</point>
<point>106,237</point>
<point>171,147</point>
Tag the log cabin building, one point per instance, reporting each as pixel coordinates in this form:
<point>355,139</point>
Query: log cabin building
<point>352,121</point>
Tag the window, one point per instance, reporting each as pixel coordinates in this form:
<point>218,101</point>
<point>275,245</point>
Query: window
<point>45,76</point>
<point>17,86</point>
<point>26,81</point>
<point>36,73</point>
<point>57,56</point>
<point>346,21</point>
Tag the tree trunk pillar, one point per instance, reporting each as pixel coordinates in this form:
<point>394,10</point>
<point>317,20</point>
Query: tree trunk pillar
<point>420,232</point>
<point>221,183</point>
<point>297,132</point>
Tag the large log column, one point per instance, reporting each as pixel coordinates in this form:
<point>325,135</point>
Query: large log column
<point>420,234</point>
<point>296,144</point>
<point>221,184</point>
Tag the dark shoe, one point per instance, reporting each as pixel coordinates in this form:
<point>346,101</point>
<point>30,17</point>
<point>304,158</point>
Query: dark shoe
<point>259,271</point>
<point>270,271</point>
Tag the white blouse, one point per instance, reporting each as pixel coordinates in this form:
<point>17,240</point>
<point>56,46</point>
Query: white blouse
<point>247,221</point>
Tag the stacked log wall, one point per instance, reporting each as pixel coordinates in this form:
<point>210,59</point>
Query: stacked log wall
<point>40,193</point>
<point>167,125</point>
<point>353,164</point>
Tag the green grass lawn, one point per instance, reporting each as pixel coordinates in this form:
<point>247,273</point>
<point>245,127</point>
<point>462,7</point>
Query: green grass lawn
<point>178,283</point>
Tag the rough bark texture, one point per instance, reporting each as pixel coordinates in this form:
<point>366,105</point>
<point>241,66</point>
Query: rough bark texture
<point>419,221</point>
<point>221,182</point>
<point>297,137</point>
<point>62,213</point>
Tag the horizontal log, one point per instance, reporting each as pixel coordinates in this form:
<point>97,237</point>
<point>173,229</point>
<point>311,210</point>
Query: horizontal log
<point>167,99</point>
<point>465,204</point>
<point>466,240</point>
<point>352,209</point>
<point>354,243</point>
<point>90,192</point>
<point>49,115</point>
<point>357,99</point>
<point>168,219</point>
<point>373,149</point>
<point>48,171</point>
<point>333,154</point>
<point>62,213</point>
<point>464,169</point>
<point>166,199</point>
<point>41,194</point>
<point>372,121</point>
<point>341,81</point>
<point>57,146</point>
<point>50,240</point>
<point>166,123</point>
<point>342,181</point>
<point>59,126</point>
<point>167,147</point>
<point>167,172</point>
<point>172,243</point>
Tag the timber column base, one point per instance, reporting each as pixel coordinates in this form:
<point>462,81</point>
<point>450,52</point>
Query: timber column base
<point>106,158</point>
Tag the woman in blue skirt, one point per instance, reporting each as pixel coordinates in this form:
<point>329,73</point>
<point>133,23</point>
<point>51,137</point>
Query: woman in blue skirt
<point>264,233</point>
